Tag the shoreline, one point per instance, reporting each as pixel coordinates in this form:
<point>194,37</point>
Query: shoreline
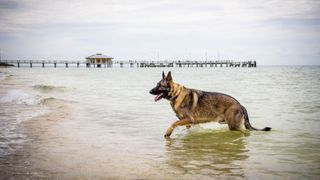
<point>56,148</point>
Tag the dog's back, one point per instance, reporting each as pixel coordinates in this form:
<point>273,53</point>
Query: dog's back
<point>201,106</point>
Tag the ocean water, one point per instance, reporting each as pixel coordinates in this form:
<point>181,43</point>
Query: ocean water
<point>103,124</point>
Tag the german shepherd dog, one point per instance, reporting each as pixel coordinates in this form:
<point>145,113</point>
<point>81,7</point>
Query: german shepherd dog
<point>194,106</point>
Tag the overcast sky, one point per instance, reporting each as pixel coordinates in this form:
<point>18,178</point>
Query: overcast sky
<point>283,32</point>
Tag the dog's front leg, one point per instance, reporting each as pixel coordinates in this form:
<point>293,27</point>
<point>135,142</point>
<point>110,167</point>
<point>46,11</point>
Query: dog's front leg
<point>181,122</point>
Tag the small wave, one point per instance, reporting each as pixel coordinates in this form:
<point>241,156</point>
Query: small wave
<point>19,97</point>
<point>47,100</point>
<point>4,76</point>
<point>12,138</point>
<point>53,102</point>
<point>27,115</point>
<point>48,88</point>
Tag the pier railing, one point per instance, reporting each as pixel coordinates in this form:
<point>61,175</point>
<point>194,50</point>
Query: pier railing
<point>130,63</point>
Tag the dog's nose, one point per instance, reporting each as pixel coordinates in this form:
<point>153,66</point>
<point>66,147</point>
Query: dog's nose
<point>150,91</point>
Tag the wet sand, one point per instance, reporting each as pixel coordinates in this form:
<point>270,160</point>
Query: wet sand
<point>60,147</point>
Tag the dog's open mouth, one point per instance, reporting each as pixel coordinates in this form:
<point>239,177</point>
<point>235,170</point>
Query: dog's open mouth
<point>158,97</point>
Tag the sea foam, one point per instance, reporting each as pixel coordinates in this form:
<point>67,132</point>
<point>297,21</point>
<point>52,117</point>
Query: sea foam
<point>19,97</point>
<point>4,76</point>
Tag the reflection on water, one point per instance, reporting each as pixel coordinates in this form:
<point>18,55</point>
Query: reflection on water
<point>208,153</point>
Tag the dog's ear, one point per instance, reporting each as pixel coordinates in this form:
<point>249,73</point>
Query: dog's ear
<point>163,75</point>
<point>169,78</point>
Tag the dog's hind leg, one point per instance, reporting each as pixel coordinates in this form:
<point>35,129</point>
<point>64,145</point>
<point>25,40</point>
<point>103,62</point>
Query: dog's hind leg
<point>181,122</point>
<point>235,119</point>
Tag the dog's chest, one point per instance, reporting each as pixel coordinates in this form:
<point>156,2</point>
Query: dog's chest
<point>180,111</point>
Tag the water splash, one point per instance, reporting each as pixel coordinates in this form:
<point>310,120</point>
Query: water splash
<point>17,96</point>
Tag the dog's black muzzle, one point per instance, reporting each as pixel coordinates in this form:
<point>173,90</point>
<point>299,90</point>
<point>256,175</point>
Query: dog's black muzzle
<point>155,91</point>
<point>160,92</point>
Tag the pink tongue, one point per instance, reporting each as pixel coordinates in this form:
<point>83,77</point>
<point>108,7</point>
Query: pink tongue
<point>158,97</point>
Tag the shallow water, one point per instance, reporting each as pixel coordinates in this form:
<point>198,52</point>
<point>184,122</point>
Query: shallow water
<point>103,123</point>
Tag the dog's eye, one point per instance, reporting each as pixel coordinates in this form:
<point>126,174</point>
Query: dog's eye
<point>163,88</point>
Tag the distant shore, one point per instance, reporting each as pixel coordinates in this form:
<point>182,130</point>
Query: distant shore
<point>3,64</point>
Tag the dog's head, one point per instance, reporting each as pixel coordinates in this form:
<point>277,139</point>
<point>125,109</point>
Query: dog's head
<point>163,88</point>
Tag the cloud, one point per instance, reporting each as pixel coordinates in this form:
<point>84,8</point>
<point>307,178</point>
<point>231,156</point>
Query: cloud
<point>130,28</point>
<point>174,13</point>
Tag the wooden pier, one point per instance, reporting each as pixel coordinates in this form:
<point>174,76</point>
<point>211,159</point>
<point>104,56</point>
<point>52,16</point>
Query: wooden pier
<point>130,63</point>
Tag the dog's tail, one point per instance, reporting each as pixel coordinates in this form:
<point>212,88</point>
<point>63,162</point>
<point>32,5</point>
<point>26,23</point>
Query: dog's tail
<point>248,125</point>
